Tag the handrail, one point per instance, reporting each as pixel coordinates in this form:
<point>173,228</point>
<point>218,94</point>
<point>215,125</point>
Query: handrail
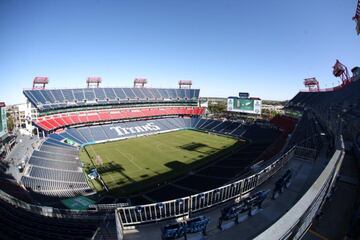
<point>48,211</point>
<point>134,215</point>
<point>295,222</point>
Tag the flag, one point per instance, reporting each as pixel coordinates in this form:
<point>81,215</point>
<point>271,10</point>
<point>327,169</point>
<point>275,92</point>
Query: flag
<point>357,18</point>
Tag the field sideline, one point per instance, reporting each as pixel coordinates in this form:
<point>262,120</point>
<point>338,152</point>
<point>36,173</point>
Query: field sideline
<point>132,165</point>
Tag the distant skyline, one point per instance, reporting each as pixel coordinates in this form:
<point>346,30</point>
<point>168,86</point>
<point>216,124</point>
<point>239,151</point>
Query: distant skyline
<point>264,47</point>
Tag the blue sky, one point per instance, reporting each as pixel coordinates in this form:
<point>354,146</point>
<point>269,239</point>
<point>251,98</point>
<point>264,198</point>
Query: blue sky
<point>265,47</point>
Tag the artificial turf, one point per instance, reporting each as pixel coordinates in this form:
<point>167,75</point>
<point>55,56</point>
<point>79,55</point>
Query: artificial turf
<point>133,165</point>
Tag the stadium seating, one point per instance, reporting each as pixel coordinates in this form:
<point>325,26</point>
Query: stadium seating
<point>106,132</point>
<point>56,121</point>
<point>18,223</point>
<point>287,124</point>
<point>86,134</point>
<point>308,133</point>
<point>181,229</point>
<point>10,186</point>
<point>45,99</point>
<point>85,116</point>
<point>55,170</point>
<point>211,176</point>
<point>341,97</point>
<point>93,115</point>
<point>245,206</point>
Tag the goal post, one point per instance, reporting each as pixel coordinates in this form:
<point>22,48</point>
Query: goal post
<point>98,160</point>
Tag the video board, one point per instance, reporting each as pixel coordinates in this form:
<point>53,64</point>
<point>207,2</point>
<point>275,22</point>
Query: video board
<point>244,105</point>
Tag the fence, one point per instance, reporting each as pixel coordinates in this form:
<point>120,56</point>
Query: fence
<point>133,215</point>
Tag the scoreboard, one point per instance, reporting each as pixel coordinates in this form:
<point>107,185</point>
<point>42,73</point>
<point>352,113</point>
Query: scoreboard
<point>244,95</point>
<point>244,105</point>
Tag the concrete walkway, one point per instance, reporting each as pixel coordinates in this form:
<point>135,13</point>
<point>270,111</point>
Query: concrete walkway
<point>336,216</point>
<point>21,152</point>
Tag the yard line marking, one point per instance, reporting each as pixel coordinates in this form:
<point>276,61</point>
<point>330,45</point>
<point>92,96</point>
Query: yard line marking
<point>130,159</point>
<point>110,175</point>
<point>154,153</point>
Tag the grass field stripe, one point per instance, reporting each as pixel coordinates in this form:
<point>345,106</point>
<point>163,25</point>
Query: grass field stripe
<point>142,162</point>
<point>129,159</point>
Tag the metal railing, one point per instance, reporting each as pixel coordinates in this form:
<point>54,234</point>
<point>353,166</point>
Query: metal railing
<point>294,224</point>
<point>134,215</point>
<point>50,211</point>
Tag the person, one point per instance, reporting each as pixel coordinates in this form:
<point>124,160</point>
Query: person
<point>278,187</point>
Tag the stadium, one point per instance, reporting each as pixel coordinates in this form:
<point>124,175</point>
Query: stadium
<point>106,161</point>
<point>162,146</point>
<point>145,162</point>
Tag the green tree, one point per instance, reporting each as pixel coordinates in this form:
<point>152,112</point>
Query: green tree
<point>217,108</point>
<point>10,122</point>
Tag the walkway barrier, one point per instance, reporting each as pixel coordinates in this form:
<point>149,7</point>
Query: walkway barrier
<point>295,223</point>
<point>134,215</point>
<point>50,211</point>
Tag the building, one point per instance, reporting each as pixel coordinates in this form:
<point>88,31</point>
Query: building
<point>23,115</point>
<point>3,123</point>
<point>3,128</point>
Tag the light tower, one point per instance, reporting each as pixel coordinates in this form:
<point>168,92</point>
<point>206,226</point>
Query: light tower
<point>140,82</point>
<point>93,81</point>
<point>185,84</point>
<point>40,82</point>
<point>312,84</point>
<point>340,70</point>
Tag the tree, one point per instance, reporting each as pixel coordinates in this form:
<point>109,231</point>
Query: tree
<point>217,108</point>
<point>10,122</point>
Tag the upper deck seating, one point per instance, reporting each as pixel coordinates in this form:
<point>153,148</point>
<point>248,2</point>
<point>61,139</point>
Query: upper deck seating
<point>345,95</point>
<point>52,99</point>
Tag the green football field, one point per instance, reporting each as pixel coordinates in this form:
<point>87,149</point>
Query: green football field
<point>133,165</point>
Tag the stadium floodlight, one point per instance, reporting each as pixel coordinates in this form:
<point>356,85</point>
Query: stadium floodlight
<point>140,82</point>
<point>93,81</point>
<point>185,84</point>
<point>341,71</point>
<point>40,82</point>
<point>312,83</point>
